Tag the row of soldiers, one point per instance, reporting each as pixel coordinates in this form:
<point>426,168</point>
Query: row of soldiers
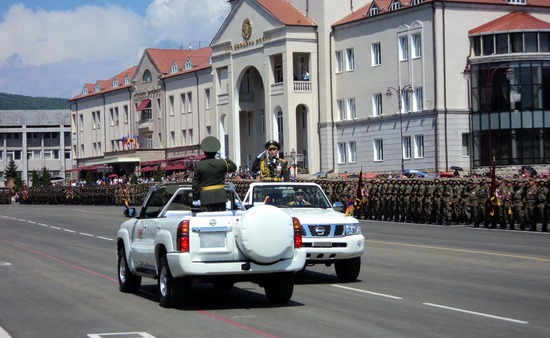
<point>510,203</point>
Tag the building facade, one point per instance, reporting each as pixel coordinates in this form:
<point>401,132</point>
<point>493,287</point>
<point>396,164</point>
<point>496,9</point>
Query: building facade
<point>342,85</point>
<point>35,139</point>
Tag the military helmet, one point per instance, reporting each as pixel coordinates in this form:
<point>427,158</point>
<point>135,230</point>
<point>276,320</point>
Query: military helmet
<point>272,143</point>
<point>210,144</point>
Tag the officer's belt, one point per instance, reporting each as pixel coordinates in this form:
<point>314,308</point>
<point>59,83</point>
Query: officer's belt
<point>213,187</point>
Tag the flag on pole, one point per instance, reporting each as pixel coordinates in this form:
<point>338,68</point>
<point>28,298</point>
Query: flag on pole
<point>355,203</point>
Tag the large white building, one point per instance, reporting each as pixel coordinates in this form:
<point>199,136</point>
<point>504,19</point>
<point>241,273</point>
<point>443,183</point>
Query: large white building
<point>35,139</point>
<point>386,89</point>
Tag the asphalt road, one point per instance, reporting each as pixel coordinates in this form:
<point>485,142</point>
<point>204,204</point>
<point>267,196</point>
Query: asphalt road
<point>58,279</point>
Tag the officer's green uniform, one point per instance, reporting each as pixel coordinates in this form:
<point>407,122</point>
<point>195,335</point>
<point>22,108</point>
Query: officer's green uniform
<point>209,177</point>
<point>271,167</point>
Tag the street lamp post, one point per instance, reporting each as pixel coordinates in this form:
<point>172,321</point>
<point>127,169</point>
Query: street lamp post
<point>293,155</point>
<point>489,74</point>
<point>399,92</point>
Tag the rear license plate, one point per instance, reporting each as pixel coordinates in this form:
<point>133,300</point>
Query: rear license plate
<point>212,240</point>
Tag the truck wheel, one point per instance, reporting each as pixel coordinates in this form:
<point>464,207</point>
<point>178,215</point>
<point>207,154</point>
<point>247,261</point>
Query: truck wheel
<point>127,282</point>
<point>279,287</point>
<point>347,270</point>
<point>172,290</point>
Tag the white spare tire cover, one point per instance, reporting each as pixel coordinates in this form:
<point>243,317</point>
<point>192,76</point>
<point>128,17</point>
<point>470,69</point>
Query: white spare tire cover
<point>265,234</point>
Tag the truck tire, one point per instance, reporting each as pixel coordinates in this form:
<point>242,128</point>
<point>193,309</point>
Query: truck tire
<point>347,270</point>
<point>279,287</point>
<point>127,281</point>
<point>265,234</point>
<point>172,291</point>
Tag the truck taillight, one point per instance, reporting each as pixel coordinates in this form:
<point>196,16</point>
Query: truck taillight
<point>182,240</point>
<point>297,232</point>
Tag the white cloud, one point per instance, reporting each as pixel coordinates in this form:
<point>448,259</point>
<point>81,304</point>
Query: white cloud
<point>38,42</point>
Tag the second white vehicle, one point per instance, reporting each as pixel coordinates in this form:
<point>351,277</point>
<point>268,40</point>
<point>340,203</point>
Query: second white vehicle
<point>328,236</point>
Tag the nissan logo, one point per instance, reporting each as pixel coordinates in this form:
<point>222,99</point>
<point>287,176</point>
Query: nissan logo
<point>212,222</point>
<point>319,230</point>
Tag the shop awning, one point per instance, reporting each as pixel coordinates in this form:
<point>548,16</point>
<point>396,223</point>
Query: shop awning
<point>86,167</point>
<point>143,104</point>
<point>175,166</point>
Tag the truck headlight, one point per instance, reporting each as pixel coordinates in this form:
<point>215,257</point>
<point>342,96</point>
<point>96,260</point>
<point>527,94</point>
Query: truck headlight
<point>353,229</point>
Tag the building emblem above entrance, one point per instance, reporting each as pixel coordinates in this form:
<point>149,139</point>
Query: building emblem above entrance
<point>247,29</point>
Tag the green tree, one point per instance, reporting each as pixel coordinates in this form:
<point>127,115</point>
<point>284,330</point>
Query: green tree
<point>46,177</point>
<point>10,172</point>
<point>158,174</point>
<point>18,182</point>
<point>35,179</point>
<point>89,179</point>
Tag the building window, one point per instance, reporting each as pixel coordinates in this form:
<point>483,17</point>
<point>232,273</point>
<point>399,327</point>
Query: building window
<point>341,109</point>
<point>406,97</point>
<point>378,150</point>
<point>395,5</point>
<point>188,64</point>
<point>403,48</point>
<point>373,10</point>
<point>150,141</point>
<point>184,137</point>
<point>174,68</point>
<point>350,59</point>
<point>352,152</point>
<point>341,153</point>
<point>339,61</point>
<point>466,144</point>
<point>173,138</point>
<point>517,2</point>
<point>407,147</point>
<point>171,103</point>
<point>376,54</point>
<point>207,98</point>
<point>377,104</point>
<point>416,46</point>
<point>418,100</point>
<point>189,102</point>
<point>416,2</point>
<point>182,98</point>
<point>419,146</point>
<point>147,77</point>
<point>350,107</point>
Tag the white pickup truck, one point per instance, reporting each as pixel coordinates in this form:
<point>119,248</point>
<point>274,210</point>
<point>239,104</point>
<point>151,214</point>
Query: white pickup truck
<point>170,241</point>
<point>329,237</point>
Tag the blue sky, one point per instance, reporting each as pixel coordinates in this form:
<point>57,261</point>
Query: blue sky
<point>52,48</point>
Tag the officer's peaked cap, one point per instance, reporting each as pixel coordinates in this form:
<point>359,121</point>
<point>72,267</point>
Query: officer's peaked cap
<point>210,144</point>
<point>272,143</point>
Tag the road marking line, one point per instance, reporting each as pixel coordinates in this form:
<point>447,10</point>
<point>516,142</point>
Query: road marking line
<point>85,234</point>
<point>31,222</point>
<point>461,250</point>
<point>56,228</point>
<point>477,313</point>
<point>100,237</point>
<point>68,230</point>
<point>369,292</point>
<point>121,334</point>
<point>42,224</point>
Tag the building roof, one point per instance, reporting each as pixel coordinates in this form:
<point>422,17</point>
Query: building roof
<point>163,59</point>
<point>285,12</point>
<point>512,22</point>
<point>384,7</point>
<point>107,85</point>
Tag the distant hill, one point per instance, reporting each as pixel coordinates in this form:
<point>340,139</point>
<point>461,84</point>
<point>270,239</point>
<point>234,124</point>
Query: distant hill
<point>21,102</point>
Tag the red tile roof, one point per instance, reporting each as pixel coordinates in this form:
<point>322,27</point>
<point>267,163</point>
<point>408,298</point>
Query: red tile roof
<point>164,58</point>
<point>107,85</point>
<point>512,22</point>
<point>384,5</point>
<point>285,12</point>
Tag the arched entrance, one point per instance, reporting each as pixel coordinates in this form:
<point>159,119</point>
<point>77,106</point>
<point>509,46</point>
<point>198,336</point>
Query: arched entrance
<point>251,115</point>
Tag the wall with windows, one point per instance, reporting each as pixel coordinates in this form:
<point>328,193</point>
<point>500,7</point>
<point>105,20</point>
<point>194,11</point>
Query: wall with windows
<point>35,139</point>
